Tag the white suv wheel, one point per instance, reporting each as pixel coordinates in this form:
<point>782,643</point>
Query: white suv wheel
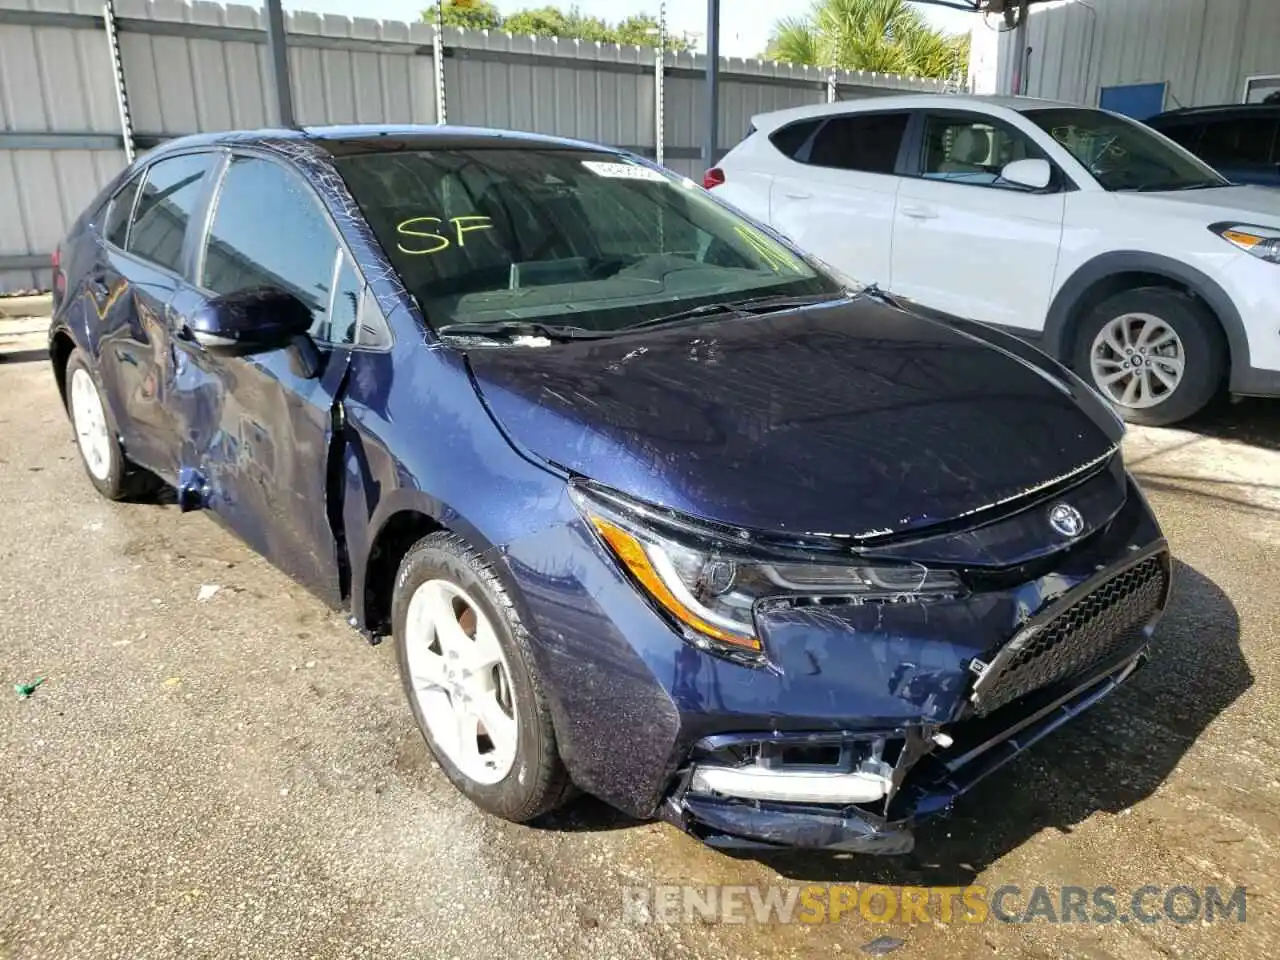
<point>1137,360</point>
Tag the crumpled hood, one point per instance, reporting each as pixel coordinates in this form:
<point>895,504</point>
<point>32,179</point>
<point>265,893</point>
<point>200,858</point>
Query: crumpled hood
<point>849,418</point>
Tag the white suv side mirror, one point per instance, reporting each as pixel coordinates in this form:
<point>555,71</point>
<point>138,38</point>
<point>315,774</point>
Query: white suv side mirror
<point>1035,174</point>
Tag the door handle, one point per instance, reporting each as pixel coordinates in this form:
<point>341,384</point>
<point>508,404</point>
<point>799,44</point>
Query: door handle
<point>797,195</point>
<point>920,213</point>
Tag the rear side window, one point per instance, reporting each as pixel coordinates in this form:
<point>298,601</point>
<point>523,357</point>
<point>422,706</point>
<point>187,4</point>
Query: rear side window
<point>268,231</point>
<point>1184,134</point>
<point>169,197</point>
<point>117,227</point>
<point>793,136</point>
<point>865,142</point>
<point>1239,141</point>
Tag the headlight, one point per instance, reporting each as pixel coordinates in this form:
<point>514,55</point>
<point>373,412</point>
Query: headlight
<point>709,582</point>
<point>1262,242</point>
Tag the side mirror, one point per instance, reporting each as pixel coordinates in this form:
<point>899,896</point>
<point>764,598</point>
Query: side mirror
<point>1033,174</point>
<point>250,321</point>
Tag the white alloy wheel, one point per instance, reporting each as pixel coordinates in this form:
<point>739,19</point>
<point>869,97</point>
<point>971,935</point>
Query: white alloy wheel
<point>1137,360</point>
<point>461,680</point>
<point>90,422</point>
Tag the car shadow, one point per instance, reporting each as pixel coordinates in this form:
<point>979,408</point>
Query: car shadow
<point>1106,760</point>
<point>1251,420</point>
<point>23,356</point>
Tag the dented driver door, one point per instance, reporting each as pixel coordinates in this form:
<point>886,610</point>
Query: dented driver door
<point>256,432</point>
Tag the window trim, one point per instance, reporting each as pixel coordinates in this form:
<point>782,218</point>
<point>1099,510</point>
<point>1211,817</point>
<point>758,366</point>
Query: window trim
<point>343,248</point>
<point>802,154</point>
<point>1059,180</point>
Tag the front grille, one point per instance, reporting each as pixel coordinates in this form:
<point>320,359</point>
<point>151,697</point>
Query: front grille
<point>1099,627</point>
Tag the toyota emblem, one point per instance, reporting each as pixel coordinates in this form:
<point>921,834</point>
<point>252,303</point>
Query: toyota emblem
<point>1066,519</point>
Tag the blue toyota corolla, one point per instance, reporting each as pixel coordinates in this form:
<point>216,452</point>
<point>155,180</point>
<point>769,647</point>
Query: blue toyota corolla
<point>652,505</point>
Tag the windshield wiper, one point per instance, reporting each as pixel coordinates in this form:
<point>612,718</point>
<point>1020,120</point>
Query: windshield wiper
<point>747,307</point>
<point>1176,187</point>
<point>511,329</point>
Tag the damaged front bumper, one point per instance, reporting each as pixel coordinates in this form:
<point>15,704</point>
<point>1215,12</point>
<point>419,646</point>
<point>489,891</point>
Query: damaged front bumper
<point>863,791</point>
<point>942,767</point>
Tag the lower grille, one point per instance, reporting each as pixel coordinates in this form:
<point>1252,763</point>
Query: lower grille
<point>1095,629</point>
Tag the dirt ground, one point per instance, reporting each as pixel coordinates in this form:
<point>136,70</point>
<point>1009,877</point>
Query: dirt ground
<point>239,777</point>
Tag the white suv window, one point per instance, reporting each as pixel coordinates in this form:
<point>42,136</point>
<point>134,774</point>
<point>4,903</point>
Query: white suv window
<point>971,150</point>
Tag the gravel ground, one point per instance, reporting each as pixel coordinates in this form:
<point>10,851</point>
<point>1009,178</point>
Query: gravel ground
<point>238,777</point>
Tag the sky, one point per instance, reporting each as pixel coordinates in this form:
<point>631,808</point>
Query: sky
<point>744,30</point>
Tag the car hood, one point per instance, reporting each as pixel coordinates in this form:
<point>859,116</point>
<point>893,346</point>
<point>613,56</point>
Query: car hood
<point>850,418</point>
<point>1244,203</point>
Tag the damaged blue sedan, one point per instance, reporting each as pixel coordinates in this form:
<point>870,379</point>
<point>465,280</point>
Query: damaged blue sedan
<point>653,505</point>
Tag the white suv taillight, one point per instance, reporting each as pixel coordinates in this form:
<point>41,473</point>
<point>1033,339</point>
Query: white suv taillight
<point>713,178</point>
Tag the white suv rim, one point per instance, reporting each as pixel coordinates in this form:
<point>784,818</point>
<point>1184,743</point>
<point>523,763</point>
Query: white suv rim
<point>1137,360</point>
<point>90,422</point>
<point>461,681</point>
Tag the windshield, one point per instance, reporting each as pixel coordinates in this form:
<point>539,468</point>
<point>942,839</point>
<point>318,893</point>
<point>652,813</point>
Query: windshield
<point>1122,154</point>
<point>572,237</point>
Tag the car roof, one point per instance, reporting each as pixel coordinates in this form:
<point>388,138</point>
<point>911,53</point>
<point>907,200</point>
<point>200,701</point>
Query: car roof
<point>352,139</point>
<point>913,101</point>
<point>1220,111</point>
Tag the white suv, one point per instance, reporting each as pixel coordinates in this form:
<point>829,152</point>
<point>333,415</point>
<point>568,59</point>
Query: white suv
<point>1107,244</point>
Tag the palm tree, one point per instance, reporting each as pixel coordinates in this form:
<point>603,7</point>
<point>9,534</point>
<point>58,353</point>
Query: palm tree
<point>888,36</point>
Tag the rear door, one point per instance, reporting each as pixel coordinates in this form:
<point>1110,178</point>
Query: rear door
<point>835,196</point>
<point>255,432</point>
<point>965,241</point>
<point>130,289</point>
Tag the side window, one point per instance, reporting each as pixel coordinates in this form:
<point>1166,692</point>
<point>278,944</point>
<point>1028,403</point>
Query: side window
<point>117,226</point>
<point>793,136</point>
<point>971,150</point>
<point>268,231</point>
<point>1185,134</point>
<point>865,142</point>
<point>169,196</point>
<point>1234,142</point>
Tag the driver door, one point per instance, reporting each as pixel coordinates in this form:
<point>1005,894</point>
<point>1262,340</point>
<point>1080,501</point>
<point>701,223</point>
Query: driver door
<point>256,431</point>
<point>967,242</point>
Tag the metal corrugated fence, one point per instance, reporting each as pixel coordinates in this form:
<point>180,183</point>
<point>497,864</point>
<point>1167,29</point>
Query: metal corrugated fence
<point>194,67</point>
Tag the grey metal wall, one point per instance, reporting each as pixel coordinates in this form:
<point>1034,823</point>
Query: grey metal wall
<point>202,66</point>
<point>1204,49</point>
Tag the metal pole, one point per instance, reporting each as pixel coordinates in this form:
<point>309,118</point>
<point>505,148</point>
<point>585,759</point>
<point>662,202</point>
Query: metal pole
<point>659,81</point>
<point>437,54</point>
<point>117,63</point>
<point>711,109</point>
<point>278,51</point>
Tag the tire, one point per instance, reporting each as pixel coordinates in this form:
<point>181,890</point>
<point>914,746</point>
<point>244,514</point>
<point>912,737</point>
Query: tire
<point>1197,337</point>
<point>536,781</point>
<point>98,438</point>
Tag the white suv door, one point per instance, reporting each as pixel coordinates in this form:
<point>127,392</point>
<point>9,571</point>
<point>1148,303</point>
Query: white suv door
<point>835,195</point>
<point>965,241</point>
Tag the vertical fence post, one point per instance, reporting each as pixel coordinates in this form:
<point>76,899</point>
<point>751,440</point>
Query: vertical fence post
<point>117,66</point>
<point>659,82</point>
<point>278,53</point>
<point>712,92</point>
<point>437,55</point>
<point>832,94</point>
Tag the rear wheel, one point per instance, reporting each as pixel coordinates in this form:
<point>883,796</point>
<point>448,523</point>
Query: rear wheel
<point>468,671</point>
<point>1156,354</point>
<point>97,438</point>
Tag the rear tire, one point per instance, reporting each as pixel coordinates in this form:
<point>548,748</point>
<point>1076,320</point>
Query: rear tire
<point>1156,354</point>
<point>508,764</point>
<point>97,438</point>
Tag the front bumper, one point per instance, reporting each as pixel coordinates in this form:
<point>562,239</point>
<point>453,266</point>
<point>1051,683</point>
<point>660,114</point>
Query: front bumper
<point>900,694</point>
<point>938,779</point>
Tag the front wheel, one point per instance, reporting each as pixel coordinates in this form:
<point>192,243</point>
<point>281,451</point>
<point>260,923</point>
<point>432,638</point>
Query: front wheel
<point>1157,354</point>
<point>468,671</point>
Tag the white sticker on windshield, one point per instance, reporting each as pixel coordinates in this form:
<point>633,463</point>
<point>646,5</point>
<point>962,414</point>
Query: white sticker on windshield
<point>622,171</point>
